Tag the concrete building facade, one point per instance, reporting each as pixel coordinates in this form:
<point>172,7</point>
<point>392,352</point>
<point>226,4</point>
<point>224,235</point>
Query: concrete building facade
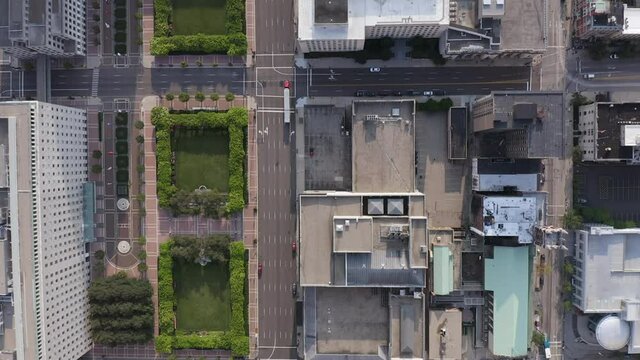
<point>344,25</point>
<point>610,132</point>
<point>49,27</point>
<point>606,19</point>
<point>44,268</point>
<point>606,278</point>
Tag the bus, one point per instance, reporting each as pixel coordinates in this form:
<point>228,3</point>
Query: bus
<point>287,106</point>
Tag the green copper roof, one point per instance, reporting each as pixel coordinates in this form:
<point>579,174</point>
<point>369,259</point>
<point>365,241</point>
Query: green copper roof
<point>507,275</point>
<point>442,270</point>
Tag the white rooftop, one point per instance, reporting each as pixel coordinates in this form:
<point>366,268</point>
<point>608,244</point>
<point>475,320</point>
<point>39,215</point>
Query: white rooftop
<point>630,135</point>
<point>509,216</point>
<point>631,20</point>
<point>611,271</point>
<point>368,13</point>
<point>612,333</point>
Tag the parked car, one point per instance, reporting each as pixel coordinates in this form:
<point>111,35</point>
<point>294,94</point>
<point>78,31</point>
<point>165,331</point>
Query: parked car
<point>294,246</point>
<point>259,269</point>
<point>294,289</point>
<point>582,201</point>
<point>360,93</point>
<point>374,69</point>
<point>613,56</point>
<point>286,84</point>
<point>428,93</point>
<point>589,76</point>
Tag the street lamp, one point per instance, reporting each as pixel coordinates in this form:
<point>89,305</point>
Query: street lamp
<point>290,134</point>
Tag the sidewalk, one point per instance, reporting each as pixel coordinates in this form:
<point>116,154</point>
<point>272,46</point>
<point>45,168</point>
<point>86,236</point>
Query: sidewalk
<point>151,201</point>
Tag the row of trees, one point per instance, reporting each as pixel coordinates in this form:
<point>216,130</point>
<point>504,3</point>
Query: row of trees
<point>120,310</point>
<point>208,202</point>
<point>191,248</point>
<point>184,98</point>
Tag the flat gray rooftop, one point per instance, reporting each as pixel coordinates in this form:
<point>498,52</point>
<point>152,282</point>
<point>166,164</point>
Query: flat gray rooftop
<point>383,146</point>
<point>351,320</point>
<point>327,148</point>
<point>331,11</point>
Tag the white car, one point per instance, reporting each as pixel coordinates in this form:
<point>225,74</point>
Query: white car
<point>374,69</point>
<point>428,93</point>
<point>613,56</point>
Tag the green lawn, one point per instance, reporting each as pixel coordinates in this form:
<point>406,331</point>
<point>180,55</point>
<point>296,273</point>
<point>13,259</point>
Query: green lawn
<point>198,16</point>
<point>203,296</point>
<point>202,158</point>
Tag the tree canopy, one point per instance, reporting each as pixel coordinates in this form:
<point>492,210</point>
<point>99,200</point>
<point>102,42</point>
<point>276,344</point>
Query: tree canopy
<point>121,311</point>
<point>191,248</point>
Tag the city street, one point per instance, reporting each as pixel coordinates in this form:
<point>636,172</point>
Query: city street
<point>275,46</point>
<point>452,80</point>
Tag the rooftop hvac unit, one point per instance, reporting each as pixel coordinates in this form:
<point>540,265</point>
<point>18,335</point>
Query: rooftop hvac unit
<point>395,112</point>
<point>424,249</point>
<point>339,228</point>
<point>347,223</point>
<point>371,117</point>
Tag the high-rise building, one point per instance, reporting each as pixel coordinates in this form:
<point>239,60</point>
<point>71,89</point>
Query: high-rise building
<point>44,268</point>
<point>344,25</point>
<point>50,27</point>
<point>606,19</point>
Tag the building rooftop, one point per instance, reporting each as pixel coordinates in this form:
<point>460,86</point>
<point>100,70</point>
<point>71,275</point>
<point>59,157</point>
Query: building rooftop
<point>507,275</point>
<point>492,8</point>
<point>325,19</point>
<point>496,175</point>
<point>612,120</point>
<point>458,132</point>
<point>331,11</point>
<point>505,216</point>
<point>343,243</point>
<point>383,146</point>
<point>631,21</point>
<point>611,263</point>
<point>445,334</point>
<point>406,327</point>
<point>522,131</point>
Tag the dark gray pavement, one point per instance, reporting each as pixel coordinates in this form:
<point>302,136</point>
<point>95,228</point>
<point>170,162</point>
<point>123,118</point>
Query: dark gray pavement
<point>453,80</point>
<point>275,41</point>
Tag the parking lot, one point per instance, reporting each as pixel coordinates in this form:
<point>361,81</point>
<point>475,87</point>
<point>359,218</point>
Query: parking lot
<point>615,188</point>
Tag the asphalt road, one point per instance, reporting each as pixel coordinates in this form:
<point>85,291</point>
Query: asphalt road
<point>275,42</point>
<point>133,82</point>
<point>453,80</point>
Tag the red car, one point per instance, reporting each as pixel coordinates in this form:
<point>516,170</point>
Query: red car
<point>259,269</point>
<point>293,246</point>
<point>286,84</point>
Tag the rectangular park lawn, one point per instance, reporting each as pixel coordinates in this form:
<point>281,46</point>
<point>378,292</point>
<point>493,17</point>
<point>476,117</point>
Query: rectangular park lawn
<point>203,296</point>
<point>199,16</point>
<point>202,158</point>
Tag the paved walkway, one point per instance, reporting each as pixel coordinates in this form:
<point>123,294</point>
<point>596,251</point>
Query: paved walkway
<point>250,227</point>
<point>150,229</point>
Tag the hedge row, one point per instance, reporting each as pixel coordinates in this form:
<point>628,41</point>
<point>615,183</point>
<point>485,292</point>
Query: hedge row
<point>162,17</point>
<point>232,45</point>
<point>166,297</point>
<point>235,339</point>
<point>234,120</point>
<point>234,16</point>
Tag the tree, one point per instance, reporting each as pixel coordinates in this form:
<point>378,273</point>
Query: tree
<point>184,97</point>
<point>96,168</point>
<point>213,204</point>
<point>200,97</point>
<point>229,97</point>
<point>139,139</point>
<point>142,255</point>
<point>99,255</point>
<point>97,154</point>
<point>191,248</point>
<point>568,268</point>
<point>170,98</point>
<point>215,97</point>
<point>537,338</point>
<point>567,305</point>
<point>184,64</point>
<point>142,267</point>
<point>120,310</point>
<point>142,240</point>
<point>572,220</point>
<point>139,125</point>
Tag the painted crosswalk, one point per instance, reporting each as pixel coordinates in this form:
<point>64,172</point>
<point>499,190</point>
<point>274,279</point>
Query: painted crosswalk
<point>94,81</point>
